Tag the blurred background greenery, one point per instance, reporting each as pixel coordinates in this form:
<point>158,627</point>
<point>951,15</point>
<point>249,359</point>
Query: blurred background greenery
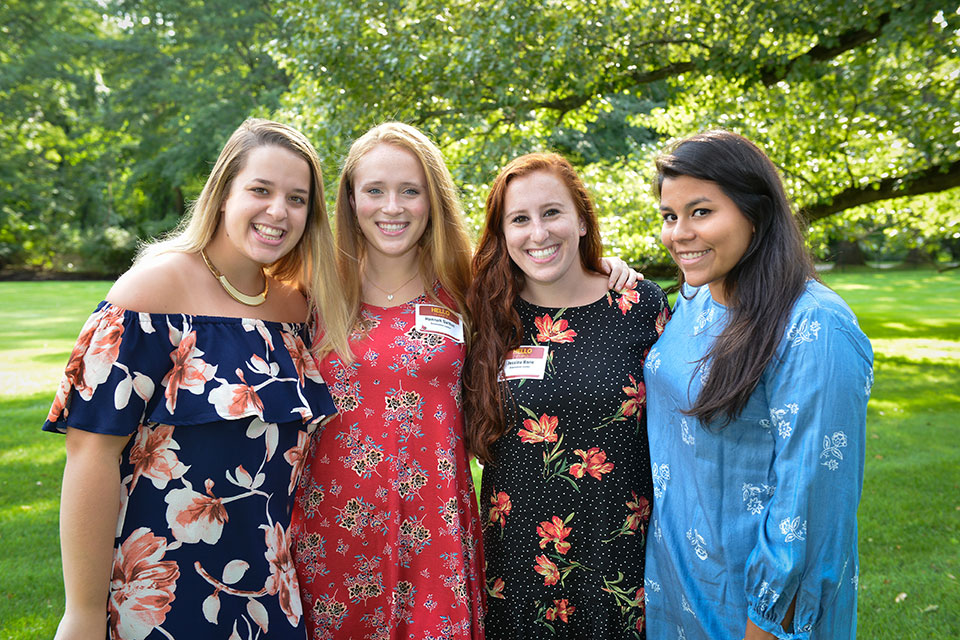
<point>112,111</point>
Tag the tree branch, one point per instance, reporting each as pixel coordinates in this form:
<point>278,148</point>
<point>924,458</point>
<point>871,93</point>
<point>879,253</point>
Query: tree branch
<point>931,180</point>
<point>772,74</point>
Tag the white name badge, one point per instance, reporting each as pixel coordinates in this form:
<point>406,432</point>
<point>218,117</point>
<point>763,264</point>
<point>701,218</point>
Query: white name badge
<point>433,318</point>
<point>525,362</point>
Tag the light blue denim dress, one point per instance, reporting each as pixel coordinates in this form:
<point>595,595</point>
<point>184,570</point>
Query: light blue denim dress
<point>749,516</point>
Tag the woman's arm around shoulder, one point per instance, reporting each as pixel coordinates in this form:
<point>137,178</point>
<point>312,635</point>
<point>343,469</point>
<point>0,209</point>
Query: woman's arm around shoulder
<point>89,508</point>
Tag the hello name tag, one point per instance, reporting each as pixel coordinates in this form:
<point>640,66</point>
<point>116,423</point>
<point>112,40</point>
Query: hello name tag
<point>440,320</point>
<point>525,362</point>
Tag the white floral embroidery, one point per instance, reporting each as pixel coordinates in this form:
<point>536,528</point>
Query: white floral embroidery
<point>686,605</point>
<point>705,318</point>
<point>753,496</point>
<point>657,531</point>
<point>804,332</point>
<point>680,634</point>
<point>653,360</point>
<point>831,450</point>
<point>704,373</point>
<point>855,581</point>
<point>766,597</point>
<point>685,434</point>
<point>661,473</point>
<point>651,585</point>
<point>869,384</point>
<point>780,417</point>
<point>765,424</point>
<point>699,544</point>
<point>793,529</point>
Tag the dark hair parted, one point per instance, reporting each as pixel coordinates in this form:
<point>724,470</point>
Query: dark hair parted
<point>497,282</point>
<point>761,289</point>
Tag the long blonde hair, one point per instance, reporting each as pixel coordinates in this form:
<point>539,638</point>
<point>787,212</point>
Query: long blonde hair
<point>445,250</point>
<point>310,265</point>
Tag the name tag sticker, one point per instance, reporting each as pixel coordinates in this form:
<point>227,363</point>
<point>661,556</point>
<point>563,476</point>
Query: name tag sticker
<point>525,362</point>
<point>433,318</point>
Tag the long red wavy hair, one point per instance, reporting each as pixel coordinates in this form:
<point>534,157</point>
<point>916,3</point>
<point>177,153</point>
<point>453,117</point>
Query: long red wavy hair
<point>497,282</point>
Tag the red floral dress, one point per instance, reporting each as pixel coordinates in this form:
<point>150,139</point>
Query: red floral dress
<point>568,496</point>
<point>386,529</point>
<point>218,410</point>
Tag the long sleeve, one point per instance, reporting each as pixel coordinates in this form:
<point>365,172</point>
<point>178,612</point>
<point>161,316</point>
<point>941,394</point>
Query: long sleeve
<point>816,389</point>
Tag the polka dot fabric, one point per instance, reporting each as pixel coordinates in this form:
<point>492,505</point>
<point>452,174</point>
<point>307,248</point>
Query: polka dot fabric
<point>567,499</point>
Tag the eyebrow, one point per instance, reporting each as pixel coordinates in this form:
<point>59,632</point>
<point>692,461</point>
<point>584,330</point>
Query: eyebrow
<point>555,203</point>
<point>271,184</point>
<point>692,203</point>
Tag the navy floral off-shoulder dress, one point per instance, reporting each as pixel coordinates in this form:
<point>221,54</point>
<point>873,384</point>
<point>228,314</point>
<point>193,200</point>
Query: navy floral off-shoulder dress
<point>218,411</point>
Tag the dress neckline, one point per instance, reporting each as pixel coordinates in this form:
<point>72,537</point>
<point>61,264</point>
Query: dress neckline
<point>202,317</point>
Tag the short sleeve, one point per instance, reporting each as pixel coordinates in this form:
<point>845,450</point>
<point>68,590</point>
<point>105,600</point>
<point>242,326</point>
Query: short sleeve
<point>117,364</point>
<point>817,389</point>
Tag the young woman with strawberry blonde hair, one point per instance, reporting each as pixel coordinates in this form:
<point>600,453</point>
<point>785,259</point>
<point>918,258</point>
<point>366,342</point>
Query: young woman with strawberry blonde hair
<point>555,408</point>
<point>186,405</point>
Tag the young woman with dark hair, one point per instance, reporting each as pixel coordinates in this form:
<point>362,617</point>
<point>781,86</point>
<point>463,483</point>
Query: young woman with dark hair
<point>757,395</point>
<point>554,401</point>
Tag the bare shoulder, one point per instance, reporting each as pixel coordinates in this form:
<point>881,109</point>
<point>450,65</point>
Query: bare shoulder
<point>288,304</point>
<point>157,284</point>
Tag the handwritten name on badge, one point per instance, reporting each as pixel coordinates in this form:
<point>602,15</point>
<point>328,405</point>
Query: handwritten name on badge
<point>525,362</point>
<point>440,320</point>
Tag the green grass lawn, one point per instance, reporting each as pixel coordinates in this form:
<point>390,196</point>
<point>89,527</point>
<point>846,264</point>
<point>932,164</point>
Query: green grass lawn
<point>909,517</point>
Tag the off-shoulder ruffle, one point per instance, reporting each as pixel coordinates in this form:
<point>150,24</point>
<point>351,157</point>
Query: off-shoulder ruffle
<point>130,367</point>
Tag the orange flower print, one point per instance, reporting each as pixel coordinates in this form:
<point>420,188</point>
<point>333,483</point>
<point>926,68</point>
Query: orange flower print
<point>500,509</point>
<point>553,331</point>
<point>639,511</point>
<point>303,360</point>
<point>636,397</point>
<point>193,517</point>
<point>282,581</point>
<point>547,569</point>
<point>141,587</point>
<point>93,356</point>
<point>189,371</point>
<point>153,456</point>
<point>542,430</point>
<point>594,463</point>
<point>233,401</point>
<point>554,531</point>
<point>495,590</point>
<point>662,318</point>
<point>628,297</point>
<point>560,611</point>
<point>297,458</point>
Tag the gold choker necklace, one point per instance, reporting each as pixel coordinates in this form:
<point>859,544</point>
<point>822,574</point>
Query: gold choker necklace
<point>239,296</point>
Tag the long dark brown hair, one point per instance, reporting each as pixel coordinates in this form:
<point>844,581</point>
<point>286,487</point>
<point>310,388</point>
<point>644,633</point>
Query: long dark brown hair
<point>761,289</point>
<point>497,282</point>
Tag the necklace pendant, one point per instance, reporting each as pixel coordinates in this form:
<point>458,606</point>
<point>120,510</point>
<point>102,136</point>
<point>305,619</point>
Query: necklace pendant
<point>389,297</point>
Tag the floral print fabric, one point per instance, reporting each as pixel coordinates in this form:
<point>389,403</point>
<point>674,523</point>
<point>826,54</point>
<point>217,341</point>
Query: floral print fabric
<point>567,498</point>
<point>762,511</point>
<point>218,410</point>
<point>386,529</point>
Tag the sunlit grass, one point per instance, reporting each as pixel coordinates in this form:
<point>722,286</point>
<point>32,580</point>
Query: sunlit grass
<point>909,516</point>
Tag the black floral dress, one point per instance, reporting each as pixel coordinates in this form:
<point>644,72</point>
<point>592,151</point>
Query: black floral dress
<point>567,499</point>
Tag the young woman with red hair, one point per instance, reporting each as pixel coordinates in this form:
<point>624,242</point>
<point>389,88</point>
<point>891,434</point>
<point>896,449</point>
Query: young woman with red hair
<point>555,408</point>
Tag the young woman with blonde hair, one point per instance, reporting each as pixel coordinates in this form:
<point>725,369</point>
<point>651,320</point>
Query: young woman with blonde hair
<point>387,534</point>
<point>186,405</point>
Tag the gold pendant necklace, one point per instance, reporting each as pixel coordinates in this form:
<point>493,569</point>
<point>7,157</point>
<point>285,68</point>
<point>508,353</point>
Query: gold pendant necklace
<point>236,294</point>
<point>390,294</point>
